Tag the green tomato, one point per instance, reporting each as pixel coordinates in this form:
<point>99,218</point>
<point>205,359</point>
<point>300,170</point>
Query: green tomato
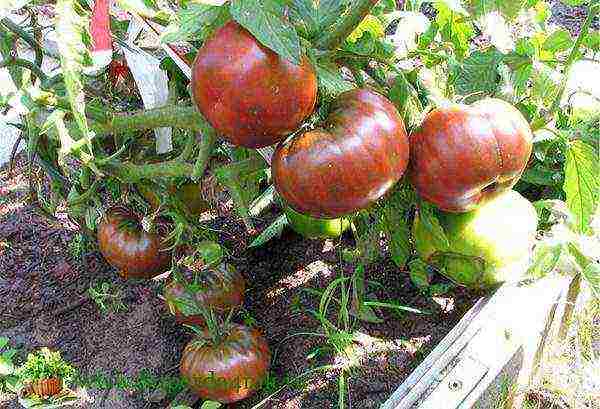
<point>313,228</point>
<point>487,246</point>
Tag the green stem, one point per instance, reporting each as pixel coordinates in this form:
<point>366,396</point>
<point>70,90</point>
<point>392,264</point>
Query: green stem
<point>542,121</point>
<point>185,117</point>
<point>25,64</point>
<point>332,39</point>
<point>206,146</point>
<point>27,38</point>
<point>132,173</point>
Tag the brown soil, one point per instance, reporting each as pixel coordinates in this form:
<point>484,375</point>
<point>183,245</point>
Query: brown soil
<point>43,288</point>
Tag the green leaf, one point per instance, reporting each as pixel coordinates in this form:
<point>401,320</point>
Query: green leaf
<point>435,230</point>
<point>592,41</point>
<point>419,274</point>
<point>6,366</point>
<point>545,258</point>
<point>304,16</point>
<point>508,8</point>
<point>477,77</point>
<point>560,40</point>
<point>405,97</point>
<point>274,230</point>
<point>192,23</point>
<point>261,18</point>
<point>331,82</point>
<point>592,275</point>
<point>329,11</point>
<point>454,28</point>
<point>3,342</point>
<point>370,24</point>
<point>581,186</point>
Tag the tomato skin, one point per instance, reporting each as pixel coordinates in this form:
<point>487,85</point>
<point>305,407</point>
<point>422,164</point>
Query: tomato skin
<point>248,93</point>
<point>230,371</point>
<point>135,252</point>
<point>221,288</point>
<point>313,228</point>
<point>360,152</point>
<point>464,155</point>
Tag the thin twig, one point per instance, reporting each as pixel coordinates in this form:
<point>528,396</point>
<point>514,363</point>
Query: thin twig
<point>13,153</point>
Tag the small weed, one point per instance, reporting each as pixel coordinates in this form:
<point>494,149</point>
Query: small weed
<point>108,297</point>
<point>79,246</point>
<point>248,319</point>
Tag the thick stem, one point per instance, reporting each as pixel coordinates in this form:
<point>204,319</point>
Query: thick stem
<point>542,121</point>
<point>185,117</point>
<point>132,173</point>
<point>331,39</point>
<point>206,146</point>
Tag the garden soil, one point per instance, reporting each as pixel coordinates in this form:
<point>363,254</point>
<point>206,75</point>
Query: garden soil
<point>44,281</point>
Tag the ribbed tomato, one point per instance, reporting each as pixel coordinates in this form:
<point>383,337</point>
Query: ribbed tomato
<point>353,159</point>
<point>247,92</point>
<point>463,155</point>
<point>126,246</point>
<point>220,287</point>
<point>227,371</point>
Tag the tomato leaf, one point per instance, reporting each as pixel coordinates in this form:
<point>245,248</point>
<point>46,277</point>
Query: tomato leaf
<point>6,366</point>
<point>331,82</point>
<point>508,8</point>
<point>418,273</point>
<point>560,40</point>
<point>455,28</point>
<point>545,258</point>
<point>431,223</point>
<point>582,184</point>
<point>210,404</point>
<point>274,230</point>
<point>477,77</point>
<point>262,19</point>
<point>194,22</point>
<point>592,275</point>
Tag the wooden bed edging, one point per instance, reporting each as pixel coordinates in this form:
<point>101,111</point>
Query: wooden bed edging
<point>496,346</point>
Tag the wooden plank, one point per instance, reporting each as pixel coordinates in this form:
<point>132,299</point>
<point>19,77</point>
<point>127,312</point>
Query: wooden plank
<point>459,381</point>
<point>399,397</point>
<point>513,321</point>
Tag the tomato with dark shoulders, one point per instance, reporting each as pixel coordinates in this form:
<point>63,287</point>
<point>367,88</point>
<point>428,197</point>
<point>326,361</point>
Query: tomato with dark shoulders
<point>248,93</point>
<point>135,252</point>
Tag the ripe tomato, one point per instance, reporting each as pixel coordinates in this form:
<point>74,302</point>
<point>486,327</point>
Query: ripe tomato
<point>248,93</point>
<point>230,370</point>
<point>463,155</point>
<point>220,288</point>
<point>126,246</point>
<point>313,228</point>
<point>357,155</point>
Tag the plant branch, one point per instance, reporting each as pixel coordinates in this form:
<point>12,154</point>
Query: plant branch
<point>542,121</point>
<point>206,146</point>
<point>132,173</point>
<point>332,39</point>
<point>36,70</point>
<point>27,38</point>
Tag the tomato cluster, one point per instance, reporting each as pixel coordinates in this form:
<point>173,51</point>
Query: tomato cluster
<point>460,156</point>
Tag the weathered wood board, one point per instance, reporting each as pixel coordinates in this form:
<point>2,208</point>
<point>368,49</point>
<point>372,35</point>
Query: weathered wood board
<point>498,344</point>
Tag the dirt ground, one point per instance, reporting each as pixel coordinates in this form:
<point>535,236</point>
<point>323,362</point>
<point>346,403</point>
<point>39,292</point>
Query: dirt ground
<point>44,283</point>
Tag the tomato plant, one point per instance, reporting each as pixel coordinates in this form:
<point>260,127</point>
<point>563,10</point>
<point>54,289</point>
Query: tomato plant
<point>340,98</point>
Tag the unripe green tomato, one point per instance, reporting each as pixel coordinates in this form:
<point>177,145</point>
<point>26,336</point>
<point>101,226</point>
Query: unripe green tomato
<point>313,228</point>
<point>487,246</point>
